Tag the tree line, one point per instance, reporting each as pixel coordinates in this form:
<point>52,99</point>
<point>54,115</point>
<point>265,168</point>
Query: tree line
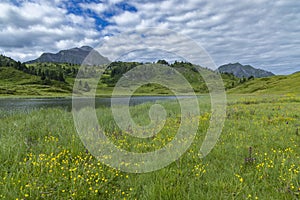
<point>46,71</point>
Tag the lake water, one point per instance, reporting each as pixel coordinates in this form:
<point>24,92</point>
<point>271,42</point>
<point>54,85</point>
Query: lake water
<point>19,104</point>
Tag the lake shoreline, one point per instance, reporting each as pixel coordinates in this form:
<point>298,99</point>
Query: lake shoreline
<point>97,96</point>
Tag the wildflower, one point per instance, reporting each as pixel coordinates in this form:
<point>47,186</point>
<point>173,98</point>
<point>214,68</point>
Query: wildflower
<point>239,177</point>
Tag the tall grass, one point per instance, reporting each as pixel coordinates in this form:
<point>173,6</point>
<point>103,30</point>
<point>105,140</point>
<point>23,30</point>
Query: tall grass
<point>42,157</point>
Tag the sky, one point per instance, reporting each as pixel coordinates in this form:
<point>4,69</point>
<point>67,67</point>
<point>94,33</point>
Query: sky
<point>262,33</point>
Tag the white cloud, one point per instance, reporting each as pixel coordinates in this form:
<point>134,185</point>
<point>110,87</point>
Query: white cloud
<point>35,27</point>
<point>96,7</point>
<point>259,32</point>
<point>126,19</point>
<point>154,43</point>
<point>76,19</point>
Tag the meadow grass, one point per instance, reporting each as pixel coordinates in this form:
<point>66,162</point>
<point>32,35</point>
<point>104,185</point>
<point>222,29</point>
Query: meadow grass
<point>281,84</point>
<point>256,157</point>
<point>15,83</point>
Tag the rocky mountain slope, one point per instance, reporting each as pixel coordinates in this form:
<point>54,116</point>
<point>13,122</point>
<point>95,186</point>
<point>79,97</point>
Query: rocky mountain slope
<point>241,71</point>
<point>73,56</point>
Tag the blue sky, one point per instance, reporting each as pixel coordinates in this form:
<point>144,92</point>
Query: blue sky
<point>263,33</point>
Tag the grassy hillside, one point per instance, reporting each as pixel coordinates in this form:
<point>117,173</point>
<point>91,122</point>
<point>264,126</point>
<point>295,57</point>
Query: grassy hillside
<point>270,85</point>
<point>18,79</point>
<point>52,79</point>
<point>188,70</point>
<point>57,79</point>
<point>16,82</point>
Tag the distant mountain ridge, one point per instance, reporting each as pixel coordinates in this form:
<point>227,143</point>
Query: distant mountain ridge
<point>241,71</point>
<point>73,56</point>
<point>51,79</point>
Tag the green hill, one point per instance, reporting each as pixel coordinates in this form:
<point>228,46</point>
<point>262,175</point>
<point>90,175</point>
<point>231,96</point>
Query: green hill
<point>57,79</point>
<point>271,85</point>
<point>16,82</point>
<point>188,70</point>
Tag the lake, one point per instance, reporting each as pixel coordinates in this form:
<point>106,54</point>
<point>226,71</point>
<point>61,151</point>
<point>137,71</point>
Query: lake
<point>28,104</point>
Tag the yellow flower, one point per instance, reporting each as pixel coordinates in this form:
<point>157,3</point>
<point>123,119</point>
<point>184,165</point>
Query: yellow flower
<point>240,178</point>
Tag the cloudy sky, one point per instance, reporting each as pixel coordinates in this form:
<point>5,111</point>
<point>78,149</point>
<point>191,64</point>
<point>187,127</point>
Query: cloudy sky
<point>263,33</point>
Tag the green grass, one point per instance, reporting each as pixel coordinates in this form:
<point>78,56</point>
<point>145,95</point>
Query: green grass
<point>17,83</point>
<point>14,82</point>
<point>270,85</point>
<point>41,156</point>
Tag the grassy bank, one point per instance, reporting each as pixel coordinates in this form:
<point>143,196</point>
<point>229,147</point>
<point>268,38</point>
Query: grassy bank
<point>256,157</point>
<point>281,84</point>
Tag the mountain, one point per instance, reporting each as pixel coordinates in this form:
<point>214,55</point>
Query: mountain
<point>282,84</point>
<point>73,56</point>
<point>241,71</point>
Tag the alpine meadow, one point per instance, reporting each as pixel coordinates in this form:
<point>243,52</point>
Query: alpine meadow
<point>149,100</point>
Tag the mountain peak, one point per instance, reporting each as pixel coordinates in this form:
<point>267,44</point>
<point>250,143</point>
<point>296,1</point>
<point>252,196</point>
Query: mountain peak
<point>241,71</point>
<point>86,48</point>
<point>73,56</point>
